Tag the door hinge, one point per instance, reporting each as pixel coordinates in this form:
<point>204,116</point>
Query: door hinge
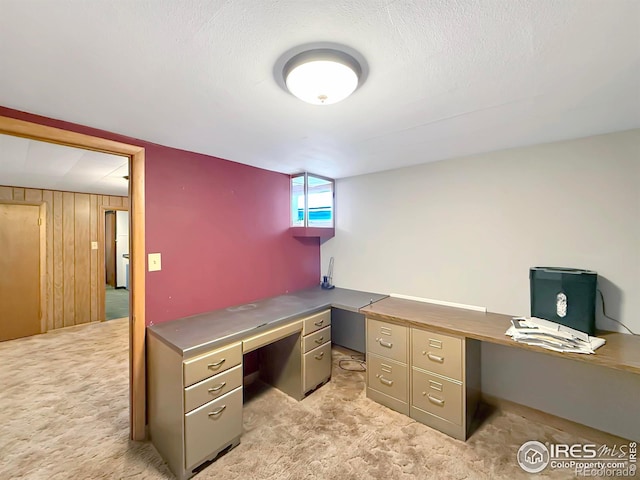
<point>39,221</point>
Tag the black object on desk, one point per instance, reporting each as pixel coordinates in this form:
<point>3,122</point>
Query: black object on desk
<point>564,295</point>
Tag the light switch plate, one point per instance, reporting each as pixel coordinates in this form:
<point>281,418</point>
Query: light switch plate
<point>94,245</point>
<point>155,262</point>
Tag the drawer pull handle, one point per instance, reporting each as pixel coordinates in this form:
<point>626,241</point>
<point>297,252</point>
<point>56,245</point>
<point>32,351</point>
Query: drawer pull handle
<point>318,324</point>
<point>319,340</point>
<point>384,381</point>
<point>216,364</point>
<point>435,358</point>
<point>217,387</point>
<point>385,344</point>
<point>319,357</point>
<point>435,400</point>
<point>217,411</point>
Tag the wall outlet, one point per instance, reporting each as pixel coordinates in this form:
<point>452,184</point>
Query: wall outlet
<point>94,245</point>
<point>155,262</point>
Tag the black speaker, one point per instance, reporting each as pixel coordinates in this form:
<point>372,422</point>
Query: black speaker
<point>564,295</point>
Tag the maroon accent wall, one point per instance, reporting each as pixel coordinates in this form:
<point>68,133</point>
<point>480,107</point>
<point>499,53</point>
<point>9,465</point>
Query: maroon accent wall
<point>221,227</point>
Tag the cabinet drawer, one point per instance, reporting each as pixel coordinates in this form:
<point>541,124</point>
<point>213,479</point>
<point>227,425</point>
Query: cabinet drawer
<point>437,396</point>
<point>316,322</point>
<point>387,340</point>
<point>437,353</point>
<point>212,388</point>
<point>212,426</point>
<point>270,336</point>
<point>316,339</point>
<point>316,366</point>
<point>387,377</point>
<point>199,368</point>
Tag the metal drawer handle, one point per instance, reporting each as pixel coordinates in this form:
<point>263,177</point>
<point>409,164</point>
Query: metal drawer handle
<point>435,358</point>
<point>384,344</point>
<point>319,357</point>
<point>318,324</point>
<point>217,411</point>
<point>217,387</point>
<point>435,400</point>
<point>319,340</point>
<point>384,381</point>
<point>217,364</point>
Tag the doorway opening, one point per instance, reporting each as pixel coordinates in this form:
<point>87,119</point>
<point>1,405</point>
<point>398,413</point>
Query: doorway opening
<point>116,263</point>
<point>36,131</point>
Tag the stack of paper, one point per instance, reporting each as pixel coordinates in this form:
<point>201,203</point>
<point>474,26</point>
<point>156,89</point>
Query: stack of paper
<point>552,336</point>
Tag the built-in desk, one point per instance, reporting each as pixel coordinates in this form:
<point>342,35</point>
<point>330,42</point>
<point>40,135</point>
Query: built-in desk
<point>193,335</point>
<point>195,367</point>
<point>424,359</point>
<point>621,352</point>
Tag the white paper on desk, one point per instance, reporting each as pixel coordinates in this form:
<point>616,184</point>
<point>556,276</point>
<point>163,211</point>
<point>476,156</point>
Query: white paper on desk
<point>555,348</point>
<point>549,342</point>
<point>531,333</point>
<point>539,324</point>
<point>560,329</point>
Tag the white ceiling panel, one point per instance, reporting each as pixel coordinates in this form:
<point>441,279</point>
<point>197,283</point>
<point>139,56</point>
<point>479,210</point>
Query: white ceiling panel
<point>13,154</point>
<point>51,159</point>
<point>33,164</point>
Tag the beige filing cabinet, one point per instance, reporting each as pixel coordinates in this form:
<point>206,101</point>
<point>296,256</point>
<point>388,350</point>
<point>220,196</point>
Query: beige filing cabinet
<point>387,364</point>
<point>316,351</point>
<point>445,381</point>
<point>194,405</point>
<point>432,377</point>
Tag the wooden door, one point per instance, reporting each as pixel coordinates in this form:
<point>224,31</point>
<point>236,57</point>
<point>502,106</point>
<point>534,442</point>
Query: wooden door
<point>19,271</point>
<point>110,247</point>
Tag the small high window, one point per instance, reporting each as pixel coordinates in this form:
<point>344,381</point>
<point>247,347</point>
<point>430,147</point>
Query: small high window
<point>312,201</point>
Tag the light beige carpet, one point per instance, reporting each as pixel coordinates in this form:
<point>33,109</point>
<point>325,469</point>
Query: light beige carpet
<point>64,415</point>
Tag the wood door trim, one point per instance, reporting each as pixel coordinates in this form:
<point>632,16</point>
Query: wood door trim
<point>137,329</point>
<point>44,314</point>
<point>103,209</point>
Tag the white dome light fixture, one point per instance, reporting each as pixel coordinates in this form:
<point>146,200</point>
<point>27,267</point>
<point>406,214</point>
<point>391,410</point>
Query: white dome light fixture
<point>322,76</point>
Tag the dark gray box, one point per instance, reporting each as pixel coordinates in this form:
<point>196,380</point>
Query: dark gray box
<point>564,295</point>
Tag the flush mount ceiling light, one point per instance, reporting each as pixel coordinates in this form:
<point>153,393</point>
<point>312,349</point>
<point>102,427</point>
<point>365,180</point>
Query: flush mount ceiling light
<point>322,76</point>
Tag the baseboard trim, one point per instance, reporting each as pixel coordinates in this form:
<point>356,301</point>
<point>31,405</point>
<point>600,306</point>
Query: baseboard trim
<point>569,426</point>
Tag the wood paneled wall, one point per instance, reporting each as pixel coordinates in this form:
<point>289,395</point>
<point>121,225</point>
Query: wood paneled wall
<point>73,273</point>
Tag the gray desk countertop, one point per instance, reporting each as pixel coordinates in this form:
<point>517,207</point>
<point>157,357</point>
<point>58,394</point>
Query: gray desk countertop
<point>197,334</point>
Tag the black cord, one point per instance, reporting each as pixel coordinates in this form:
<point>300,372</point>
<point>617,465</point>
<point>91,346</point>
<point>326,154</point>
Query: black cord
<point>356,359</point>
<point>604,312</point>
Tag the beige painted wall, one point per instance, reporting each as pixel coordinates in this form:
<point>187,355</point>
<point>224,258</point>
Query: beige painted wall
<point>467,230</point>
<point>72,266</point>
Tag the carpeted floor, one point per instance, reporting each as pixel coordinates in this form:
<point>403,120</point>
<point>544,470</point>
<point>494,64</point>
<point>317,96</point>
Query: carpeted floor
<point>116,303</point>
<point>64,415</point>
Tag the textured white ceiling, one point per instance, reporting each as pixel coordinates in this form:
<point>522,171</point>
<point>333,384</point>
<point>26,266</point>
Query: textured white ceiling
<point>29,163</point>
<point>446,77</point>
